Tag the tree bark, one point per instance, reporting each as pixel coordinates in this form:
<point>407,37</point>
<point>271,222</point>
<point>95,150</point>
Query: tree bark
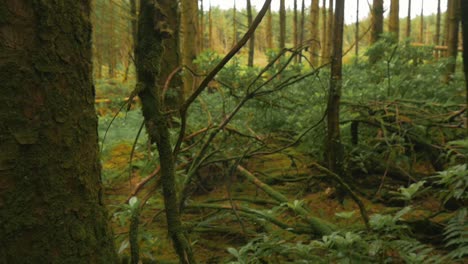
<point>452,38</point>
<point>234,22</point>
<point>201,24</point>
<point>148,53</point>
<point>282,14</point>
<point>356,33</point>
<point>51,206</point>
<point>314,30</point>
<point>334,148</point>
<point>421,24</point>
<point>252,38</point>
<point>394,23</point>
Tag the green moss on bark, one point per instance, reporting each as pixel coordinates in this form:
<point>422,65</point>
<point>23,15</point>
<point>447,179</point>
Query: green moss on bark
<point>50,196</point>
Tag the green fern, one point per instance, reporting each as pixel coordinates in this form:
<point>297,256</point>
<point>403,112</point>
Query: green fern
<point>456,235</point>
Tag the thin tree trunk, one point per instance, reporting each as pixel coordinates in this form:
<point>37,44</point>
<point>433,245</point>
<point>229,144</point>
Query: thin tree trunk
<point>234,21</point>
<point>394,23</point>
<point>201,25</point>
<point>464,20</point>
<point>210,28</point>
<point>314,30</point>
<point>148,54</point>
<point>356,36</point>
<point>295,29</point>
<point>51,204</point>
<point>408,20</point>
<point>282,14</point>
<point>111,42</point>
<point>334,149</point>
<point>252,38</point>
<point>421,24</point>
<point>301,35</point>
<point>452,42</point>
<point>323,39</point>
<point>438,26</point>
<point>329,40</point>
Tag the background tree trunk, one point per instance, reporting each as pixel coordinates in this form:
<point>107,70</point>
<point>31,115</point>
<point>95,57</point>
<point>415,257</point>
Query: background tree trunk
<point>201,24</point>
<point>356,34</point>
<point>408,20</point>
<point>301,35</point>
<point>452,40</point>
<point>438,20</point>
<point>148,53</point>
<point>250,62</point>
<point>189,24</point>
<point>421,24</point>
<point>314,30</point>
<point>329,40</point>
<point>334,149</point>
<point>376,20</point>
<point>51,206</point>
<point>394,23</point>
<point>464,20</point>
<point>234,21</point>
<point>295,29</point>
<point>282,14</point>
<point>269,34</point>
<point>323,39</point>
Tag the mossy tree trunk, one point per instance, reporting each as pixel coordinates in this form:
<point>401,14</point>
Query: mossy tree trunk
<point>324,35</point>
<point>330,30</point>
<point>295,29</point>
<point>334,148</point>
<point>302,29</point>
<point>51,208</point>
<point>152,33</point>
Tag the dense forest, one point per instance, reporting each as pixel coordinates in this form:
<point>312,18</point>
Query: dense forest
<point>162,131</point>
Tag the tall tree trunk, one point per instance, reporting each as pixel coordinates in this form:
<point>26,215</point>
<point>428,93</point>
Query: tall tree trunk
<point>408,20</point>
<point>171,58</point>
<point>314,31</point>
<point>356,34</point>
<point>295,29</point>
<point>252,38</point>
<point>334,148</point>
<point>234,22</point>
<point>464,20</point>
<point>330,29</point>
<point>394,23</point>
<point>112,60</point>
<point>377,26</point>
<point>377,21</point>
<point>282,15</point>
<point>421,24</point>
<point>301,35</point>
<point>148,54</point>
<point>201,24</point>
<point>323,39</point>
<point>51,205</point>
<point>438,20</point>
<point>269,25</point>
<point>452,40</point>
<point>210,28</point>
<point>189,24</point>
